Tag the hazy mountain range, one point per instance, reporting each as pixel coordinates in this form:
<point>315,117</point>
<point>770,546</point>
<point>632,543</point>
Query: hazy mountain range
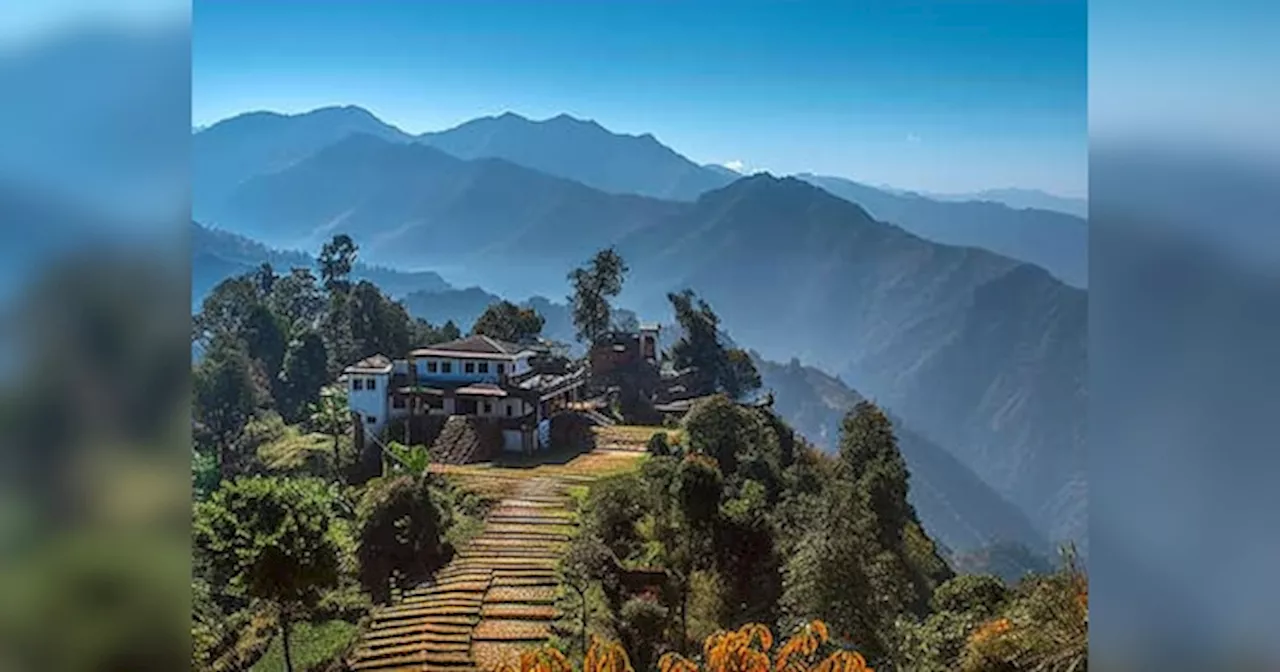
<point>1022,199</point>
<point>228,153</point>
<point>979,353</point>
<point>1053,240</point>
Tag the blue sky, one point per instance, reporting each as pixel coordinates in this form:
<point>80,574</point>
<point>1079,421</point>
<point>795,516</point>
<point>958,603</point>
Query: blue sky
<point>940,96</point>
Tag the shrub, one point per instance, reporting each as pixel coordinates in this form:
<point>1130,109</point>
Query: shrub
<point>658,444</point>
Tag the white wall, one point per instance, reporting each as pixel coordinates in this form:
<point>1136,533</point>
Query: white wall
<point>369,403</point>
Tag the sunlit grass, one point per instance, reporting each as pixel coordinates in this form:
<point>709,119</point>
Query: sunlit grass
<point>310,644</point>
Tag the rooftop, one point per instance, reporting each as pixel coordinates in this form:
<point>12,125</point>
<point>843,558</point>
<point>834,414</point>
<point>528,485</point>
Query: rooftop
<point>478,347</point>
<point>374,364</point>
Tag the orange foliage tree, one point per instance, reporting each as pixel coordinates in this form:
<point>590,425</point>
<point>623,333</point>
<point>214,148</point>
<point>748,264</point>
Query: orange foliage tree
<point>746,649</point>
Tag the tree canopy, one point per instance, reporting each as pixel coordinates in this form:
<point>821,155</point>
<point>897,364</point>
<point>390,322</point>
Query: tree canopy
<point>270,539</point>
<point>716,367</point>
<point>506,321</point>
<point>593,286</point>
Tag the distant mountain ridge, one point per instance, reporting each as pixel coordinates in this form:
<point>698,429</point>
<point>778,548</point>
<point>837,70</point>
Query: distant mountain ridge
<point>225,156</point>
<point>1054,241</point>
<point>230,152</point>
<point>583,151</point>
<point>411,204</point>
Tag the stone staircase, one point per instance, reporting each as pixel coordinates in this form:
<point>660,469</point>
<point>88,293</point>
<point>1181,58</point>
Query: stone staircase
<point>466,439</point>
<point>494,599</point>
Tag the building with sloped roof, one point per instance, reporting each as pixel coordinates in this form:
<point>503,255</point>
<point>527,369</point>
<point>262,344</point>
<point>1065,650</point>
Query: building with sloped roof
<point>475,376</point>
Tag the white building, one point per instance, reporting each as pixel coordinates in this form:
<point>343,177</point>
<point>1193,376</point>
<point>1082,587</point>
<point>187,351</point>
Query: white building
<point>474,376</point>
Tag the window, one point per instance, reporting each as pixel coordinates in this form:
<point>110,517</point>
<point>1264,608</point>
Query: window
<point>484,367</point>
<point>488,407</point>
<point>397,401</point>
<point>510,409</point>
<point>373,384</point>
<point>469,367</point>
<point>446,367</point>
<point>357,383</point>
<point>369,419</point>
<point>431,366</point>
<point>502,368</point>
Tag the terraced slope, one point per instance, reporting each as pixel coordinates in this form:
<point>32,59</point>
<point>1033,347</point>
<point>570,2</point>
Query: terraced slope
<point>496,597</point>
<point>632,438</point>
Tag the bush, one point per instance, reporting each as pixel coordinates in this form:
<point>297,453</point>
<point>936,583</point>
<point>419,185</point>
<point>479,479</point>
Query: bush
<point>400,534</point>
<point>643,623</point>
<point>658,444</point>
<point>315,646</point>
<point>983,594</point>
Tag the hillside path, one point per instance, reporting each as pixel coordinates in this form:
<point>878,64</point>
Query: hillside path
<point>496,597</point>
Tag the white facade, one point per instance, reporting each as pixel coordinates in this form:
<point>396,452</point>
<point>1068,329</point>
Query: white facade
<point>369,398</point>
<point>469,369</point>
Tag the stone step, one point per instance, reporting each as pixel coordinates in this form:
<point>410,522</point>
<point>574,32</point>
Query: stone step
<point>445,600</point>
<point>415,662</point>
<point>498,630</point>
<point>521,595</point>
<point>458,589</point>
<point>427,616</point>
<point>520,612</point>
<point>445,631</point>
<point>497,563</point>
<point>522,581</point>
<point>512,519</point>
<point>530,573</point>
<point>408,645</point>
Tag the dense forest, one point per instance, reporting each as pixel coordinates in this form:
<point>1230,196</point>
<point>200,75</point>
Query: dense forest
<point>732,527</point>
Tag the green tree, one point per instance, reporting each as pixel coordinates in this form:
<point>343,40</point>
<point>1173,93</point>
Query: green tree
<point>332,415</point>
<point>225,310</point>
<point>506,321</point>
<point>399,533</point>
<point>225,394</point>
<point>716,367</point>
<point>305,373</point>
<point>450,332</point>
<point>587,560</point>
<point>869,456</point>
<point>297,299</point>
<point>699,485</point>
<point>378,325</point>
<point>733,436</point>
<point>640,626</point>
<point>265,277</point>
<point>266,340</point>
<point>658,445</point>
<point>971,592</point>
<point>593,286</point>
<point>270,539</point>
<point>411,460</point>
<point>423,333</point>
<point>855,568</point>
<point>337,257</point>
<point>738,374</point>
